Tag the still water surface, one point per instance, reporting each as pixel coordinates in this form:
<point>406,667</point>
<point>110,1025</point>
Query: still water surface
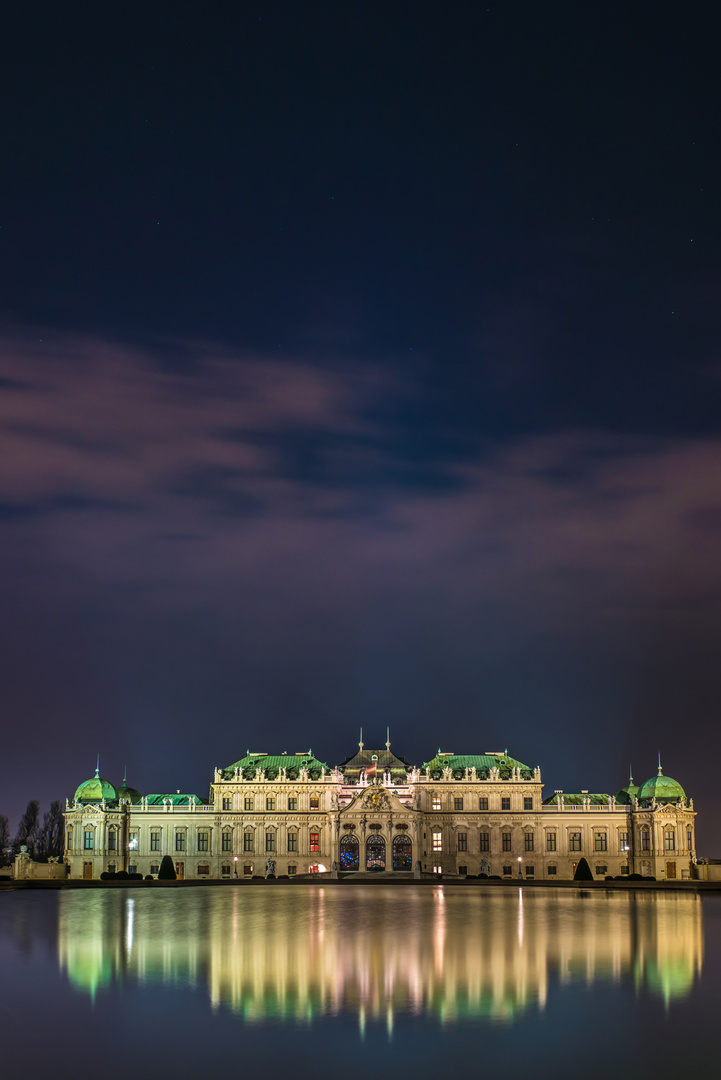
<point>330,981</point>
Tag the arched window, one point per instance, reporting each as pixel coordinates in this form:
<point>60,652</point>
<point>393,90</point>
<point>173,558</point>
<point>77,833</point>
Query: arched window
<point>349,853</point>
<point>375,853</point>
<point>402,853</point>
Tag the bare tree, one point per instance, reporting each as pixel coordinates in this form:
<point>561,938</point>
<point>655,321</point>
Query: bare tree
<point>29,829</point>
<point>51,838</point>
<point>4,840</point>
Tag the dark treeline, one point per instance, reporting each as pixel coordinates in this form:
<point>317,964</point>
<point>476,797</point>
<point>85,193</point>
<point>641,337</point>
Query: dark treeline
<point>43,839</point>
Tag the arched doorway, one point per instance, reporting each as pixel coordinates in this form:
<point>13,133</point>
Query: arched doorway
<point>402,853</point>
<point>375,853</point>
<point>349,853</point>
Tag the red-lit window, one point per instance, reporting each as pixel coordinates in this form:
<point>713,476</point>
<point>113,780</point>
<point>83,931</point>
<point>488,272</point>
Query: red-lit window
<point>314,837</point>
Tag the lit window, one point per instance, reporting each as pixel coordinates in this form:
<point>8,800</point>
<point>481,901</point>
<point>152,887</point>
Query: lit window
<point>247,841</point>
<point>133,841</point>
<point>270,841</point>
<point>485,841</point>
<point>248,803</point>
<point>270,804</point>
<point>528,841</point>
<point>89,839</point>
<point>292,803</point>
<point>202,841</point>
<point>314,802</point>
<point>458,804</point>
<point>314,841</point>
<point>292,841</point>
<point>506,841</point>
<point>574,841</point>
<point>550,841</point>
<point>180,841</point>
<point>248,870</point>
<point>227,804</point>
<point>669,840</point>
<point>227,842</point>
<point>436,802</point>
<point>462,841</point>
<point>437,869</point>
<point>623,841</point>
<point>483,803</point>
<point>599,842</point>
<point>155,841</point>
<point>505,802</point>
<point>437,840</point>
<point>528,802</point>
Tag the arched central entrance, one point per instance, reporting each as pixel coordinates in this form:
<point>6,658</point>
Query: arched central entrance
<point>402,853</point>
<point>375,853</point>
<point>349,853</point>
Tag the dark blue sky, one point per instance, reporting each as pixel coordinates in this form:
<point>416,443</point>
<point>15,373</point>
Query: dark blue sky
<point>359,364</point>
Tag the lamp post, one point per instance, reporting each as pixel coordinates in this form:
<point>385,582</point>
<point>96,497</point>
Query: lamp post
<point>235,866</point>
<point>520,872</point>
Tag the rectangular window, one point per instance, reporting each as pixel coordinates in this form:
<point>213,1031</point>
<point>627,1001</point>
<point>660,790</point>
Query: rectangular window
<point>645,840</point>
<point>528,802</point>
<point>155,841</point>
<point>623,841</point>
<point>437,869</point>
<point>133,841</point>
<point>669,840</point>
<point>180,841</point>
<point>202,841</point>
<point>292,870</point>
<point>227,804</point>
<point>437,840</point>
<point>270,804</point>
<point>132,869</point>
<point>599,842</point>
<point>574,841</point>
<point>248,803</point>
<point>89,839</point>
<point>506,802</point>
<point>601,870</point>
<point>154,868</point>
<point>462,841</point>
<point>315,841</point>
<point>112,840</point>
<point>292,803</point>
<point>624,869</point>
<point>203,871</point>
<point>70,837</point>
<point>485,841</point>
<point>552,871</point>
<point>530,871</point>
<point>314,802</point>
<point>483,802</point>
<point>292,841</point>
<point>227,842</point>
<point>550,841</point>
<point>270,841</point>
<point>248,870</point>
<point>689,840</point>
<point>225,871</point>
<point>436,802</point>
<point>247,841</point>
<point>463,870</point>
<point>507,871</point>
<point>458,804</point>
<point>528,841</point>
<point>506,841</point>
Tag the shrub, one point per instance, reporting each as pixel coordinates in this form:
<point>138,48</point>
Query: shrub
<point>583,871</point>
<point>149,877</point>
<point>167,870</point>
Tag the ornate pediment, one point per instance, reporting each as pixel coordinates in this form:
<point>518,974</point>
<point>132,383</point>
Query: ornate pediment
<point>376,798</point>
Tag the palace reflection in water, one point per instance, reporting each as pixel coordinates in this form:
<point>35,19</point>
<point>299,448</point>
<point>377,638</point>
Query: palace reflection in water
<point>450,953</point>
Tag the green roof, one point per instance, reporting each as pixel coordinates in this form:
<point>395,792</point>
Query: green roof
<point>272,762</point>
<point>627,793</point>
<point>385,759</point>
<point>130,794</point>
<point>95,790</point>
<point>577,799</point>
<point>176,799</point>
<point>661,788</point>
<point>481,762</point>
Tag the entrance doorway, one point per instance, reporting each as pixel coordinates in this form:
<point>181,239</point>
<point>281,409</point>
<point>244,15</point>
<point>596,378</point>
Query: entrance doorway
<point>375,853</point>
<point>88,870</point>
<point>670,870</point>
<point>180,870</point>
<point>402,853</point>
<point>349,853</point>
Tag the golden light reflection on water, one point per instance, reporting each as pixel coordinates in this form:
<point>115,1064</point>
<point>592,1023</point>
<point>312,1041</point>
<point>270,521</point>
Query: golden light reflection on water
<point>302,953</point>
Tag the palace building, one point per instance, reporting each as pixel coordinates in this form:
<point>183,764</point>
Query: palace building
<point>457,814</point>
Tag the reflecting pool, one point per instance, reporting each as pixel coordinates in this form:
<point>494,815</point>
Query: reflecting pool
<point>322,979</point>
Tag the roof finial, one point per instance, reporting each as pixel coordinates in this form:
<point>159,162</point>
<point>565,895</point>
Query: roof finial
<point>97,768</point>
<point>360,744</point>
<point>660,773</point>
<point>125,775</point>
<point>388,738</point>
<point>630,773</point>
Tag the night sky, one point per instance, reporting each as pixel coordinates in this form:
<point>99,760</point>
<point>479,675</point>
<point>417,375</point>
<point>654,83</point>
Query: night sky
<point>359,364</point>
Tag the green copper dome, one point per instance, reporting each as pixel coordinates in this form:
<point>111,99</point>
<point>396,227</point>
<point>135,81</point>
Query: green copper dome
<point>661,788</point>
<point>627,793</point>
<point>128,794</point>
<point>95,790</point>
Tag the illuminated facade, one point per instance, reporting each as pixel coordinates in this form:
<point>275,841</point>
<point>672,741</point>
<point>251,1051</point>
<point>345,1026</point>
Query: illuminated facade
<point>464,815</point>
